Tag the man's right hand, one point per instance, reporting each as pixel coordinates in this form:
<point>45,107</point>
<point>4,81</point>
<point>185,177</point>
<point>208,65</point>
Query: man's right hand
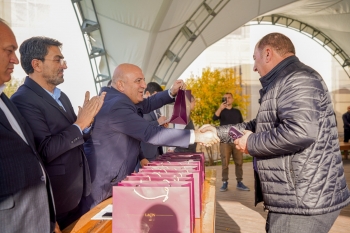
<point>89,110</point>
<point>222,106</point>
<point>207,137</point>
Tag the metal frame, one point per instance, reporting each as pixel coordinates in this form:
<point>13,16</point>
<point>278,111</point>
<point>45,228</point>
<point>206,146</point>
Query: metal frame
<point>90,28</point>
<point>321,38</point>
<point>185,37</point>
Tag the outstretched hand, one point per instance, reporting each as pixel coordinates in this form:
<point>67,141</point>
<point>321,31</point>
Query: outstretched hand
<point>206,135</point>
<point>89,110</point>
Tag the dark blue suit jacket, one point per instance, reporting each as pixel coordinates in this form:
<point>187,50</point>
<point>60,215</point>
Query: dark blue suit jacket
<point>59,142</point>
<point>119,127</point>
<point>26,202</point>
<point>150,151</point>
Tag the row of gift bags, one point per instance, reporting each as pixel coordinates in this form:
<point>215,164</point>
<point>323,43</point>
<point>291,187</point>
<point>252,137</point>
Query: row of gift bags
<point>163,197</point>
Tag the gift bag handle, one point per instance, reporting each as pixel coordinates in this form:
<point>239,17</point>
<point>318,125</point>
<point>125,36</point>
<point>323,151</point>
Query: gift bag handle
<point>166,196</point>
<point>157,173</point>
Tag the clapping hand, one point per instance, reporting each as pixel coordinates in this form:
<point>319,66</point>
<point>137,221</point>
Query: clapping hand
<point>89,110</point>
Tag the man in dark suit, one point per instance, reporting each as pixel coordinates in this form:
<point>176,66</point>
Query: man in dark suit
<point>26,201</point>
<point>59,134</point>
<point>119,127</point>
<point>151,152</point>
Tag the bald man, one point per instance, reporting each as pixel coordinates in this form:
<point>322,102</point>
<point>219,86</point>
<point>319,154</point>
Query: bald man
<point>119,127</point>
<point>26,201</point>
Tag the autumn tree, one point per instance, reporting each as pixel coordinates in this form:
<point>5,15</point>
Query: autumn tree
<point>208,91</point>
<point>12,86</point>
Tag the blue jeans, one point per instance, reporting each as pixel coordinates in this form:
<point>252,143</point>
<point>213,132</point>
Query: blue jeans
<point>288,223</point>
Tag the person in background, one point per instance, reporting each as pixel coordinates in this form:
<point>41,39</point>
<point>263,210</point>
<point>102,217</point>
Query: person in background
<point>227,115</point>
<point>26,200</point>
<point>298,167</point>
<point>346,121</point>
<point>58,133</point>
<point>190,125</point>
<point>114,148</point>
<point>151,152</point>
<point>109,83</point>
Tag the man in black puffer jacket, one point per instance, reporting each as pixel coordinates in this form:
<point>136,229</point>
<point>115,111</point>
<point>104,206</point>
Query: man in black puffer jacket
<point>294,141</point>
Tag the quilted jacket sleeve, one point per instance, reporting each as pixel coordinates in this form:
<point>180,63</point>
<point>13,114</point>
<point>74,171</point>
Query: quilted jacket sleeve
<point>298,107</point>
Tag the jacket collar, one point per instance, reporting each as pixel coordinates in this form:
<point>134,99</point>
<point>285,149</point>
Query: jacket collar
<point>274,73</point>
<point>270,77</point>
<point>37,89</point>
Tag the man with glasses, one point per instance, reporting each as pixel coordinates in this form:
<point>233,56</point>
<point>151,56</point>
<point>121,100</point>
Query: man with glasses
<point>58,133</point>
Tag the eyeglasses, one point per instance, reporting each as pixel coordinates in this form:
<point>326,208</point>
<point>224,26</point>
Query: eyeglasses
<point>61,61</point>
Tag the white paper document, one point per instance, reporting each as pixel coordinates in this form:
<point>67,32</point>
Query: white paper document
<point>104,214</point>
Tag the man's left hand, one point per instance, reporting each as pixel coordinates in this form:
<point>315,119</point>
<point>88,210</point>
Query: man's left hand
<point>178,84</point>
<point>241,143</point>
<point>144,162</point>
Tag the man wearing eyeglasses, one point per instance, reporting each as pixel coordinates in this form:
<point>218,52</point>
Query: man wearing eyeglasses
<point>59,134</point>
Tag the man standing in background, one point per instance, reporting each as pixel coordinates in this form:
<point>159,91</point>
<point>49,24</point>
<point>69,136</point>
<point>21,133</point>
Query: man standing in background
<point>151,152</point>
<point>229,115</point>
<point>346,120</point>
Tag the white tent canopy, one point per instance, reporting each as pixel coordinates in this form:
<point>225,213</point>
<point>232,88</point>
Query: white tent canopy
<point>163,37</point>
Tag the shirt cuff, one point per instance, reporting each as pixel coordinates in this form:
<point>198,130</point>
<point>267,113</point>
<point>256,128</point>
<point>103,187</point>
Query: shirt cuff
<point>193,137</point>
<point>79,128</point>
<point>170,94</point>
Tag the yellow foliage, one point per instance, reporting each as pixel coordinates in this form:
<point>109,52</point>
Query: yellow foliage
<point>12,86</point>
<point>208,91</point>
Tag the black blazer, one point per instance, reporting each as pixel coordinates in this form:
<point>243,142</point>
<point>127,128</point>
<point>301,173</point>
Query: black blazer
<point>26,201</point>
<point>59,142</point>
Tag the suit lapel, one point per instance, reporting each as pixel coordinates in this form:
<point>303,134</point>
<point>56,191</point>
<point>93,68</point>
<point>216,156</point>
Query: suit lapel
<point>4,121</point>
<point>16,114</point>
<point>67,105</point>
<point>153,115</point>
<point>37,89</point>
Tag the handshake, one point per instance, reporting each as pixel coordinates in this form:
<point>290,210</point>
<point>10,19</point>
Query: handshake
<point>206,135</point>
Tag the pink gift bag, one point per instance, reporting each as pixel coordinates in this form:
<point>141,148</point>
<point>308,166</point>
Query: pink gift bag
<point>145,179</point>
<point>197,183</point>
<point>154,207</point>
<point>182,108</point>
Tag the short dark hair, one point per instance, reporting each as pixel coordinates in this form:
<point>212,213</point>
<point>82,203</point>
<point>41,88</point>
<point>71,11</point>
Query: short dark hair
<point>228,93</point>
<point>279,42</point>
<point>153,87</point>
<point>35,48</point>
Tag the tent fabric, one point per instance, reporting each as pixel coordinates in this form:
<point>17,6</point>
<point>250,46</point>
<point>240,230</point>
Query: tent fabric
<point>139,32</point>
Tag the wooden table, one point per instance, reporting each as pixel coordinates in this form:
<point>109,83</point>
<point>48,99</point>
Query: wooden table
<point>205,224</point>
<point>345,146</point>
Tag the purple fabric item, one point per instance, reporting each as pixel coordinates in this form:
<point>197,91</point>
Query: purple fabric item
<point>182,108</point>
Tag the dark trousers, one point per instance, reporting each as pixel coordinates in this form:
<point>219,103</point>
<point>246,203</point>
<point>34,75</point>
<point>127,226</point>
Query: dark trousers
<point>65,219</point>
<point>227,150</point>
<point>286,223</point>
<point>346,135</point>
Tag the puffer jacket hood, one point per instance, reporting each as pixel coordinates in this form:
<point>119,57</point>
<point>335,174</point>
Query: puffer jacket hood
<point>295,143</point>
